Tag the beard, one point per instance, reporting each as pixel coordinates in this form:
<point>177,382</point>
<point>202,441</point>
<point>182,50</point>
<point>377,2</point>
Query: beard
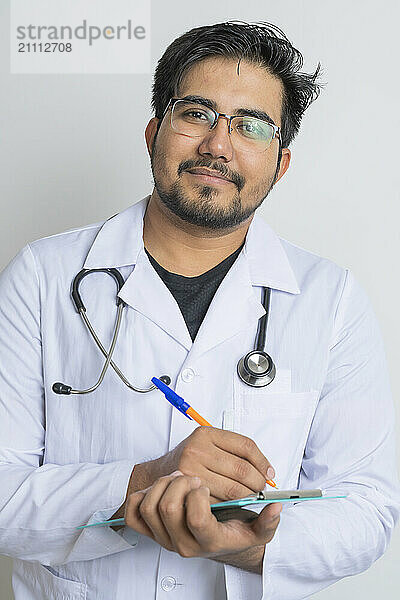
<point>204,211</point>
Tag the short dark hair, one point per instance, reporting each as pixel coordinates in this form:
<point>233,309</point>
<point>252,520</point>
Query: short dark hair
<point>260,43</point>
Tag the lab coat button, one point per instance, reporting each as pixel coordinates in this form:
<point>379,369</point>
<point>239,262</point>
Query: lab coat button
<point>187,375</point>
<point>168,583</point>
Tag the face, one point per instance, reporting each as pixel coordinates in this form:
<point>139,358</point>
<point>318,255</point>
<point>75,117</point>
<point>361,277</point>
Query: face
<point>217,204</point>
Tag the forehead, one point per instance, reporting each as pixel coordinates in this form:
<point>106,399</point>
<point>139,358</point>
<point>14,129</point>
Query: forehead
<point>217,79</point>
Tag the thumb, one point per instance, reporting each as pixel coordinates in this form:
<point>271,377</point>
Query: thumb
<point>265,525</point>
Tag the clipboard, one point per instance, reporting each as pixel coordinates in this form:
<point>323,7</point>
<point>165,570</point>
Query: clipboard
<point>235,509</point>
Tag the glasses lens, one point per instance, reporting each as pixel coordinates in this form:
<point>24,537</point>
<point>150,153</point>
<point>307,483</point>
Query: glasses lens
<point>252,134</point>
<point>191,119</point>
<point>196,120</point>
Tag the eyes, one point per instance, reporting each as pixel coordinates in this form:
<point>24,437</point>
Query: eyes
<point>197,115</point>
<point>248,133</point>
<point>246,126</point>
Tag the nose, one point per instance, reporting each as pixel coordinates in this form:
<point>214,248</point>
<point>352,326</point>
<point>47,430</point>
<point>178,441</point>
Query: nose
<point>217,142</point>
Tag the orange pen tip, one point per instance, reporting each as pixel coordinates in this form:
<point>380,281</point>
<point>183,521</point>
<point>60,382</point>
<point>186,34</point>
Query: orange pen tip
<point>271,483</point>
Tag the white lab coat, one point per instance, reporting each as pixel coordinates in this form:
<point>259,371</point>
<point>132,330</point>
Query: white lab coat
<point>326,421</point>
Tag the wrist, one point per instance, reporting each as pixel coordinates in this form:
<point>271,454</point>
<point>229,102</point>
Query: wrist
<point>251,559</point>
<point>140,479</point>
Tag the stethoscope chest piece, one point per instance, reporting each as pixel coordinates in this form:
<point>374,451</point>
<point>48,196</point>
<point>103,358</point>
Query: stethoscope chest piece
<point>257,368</point>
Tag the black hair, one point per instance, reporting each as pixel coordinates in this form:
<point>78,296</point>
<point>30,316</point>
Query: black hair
<point>260,43</point>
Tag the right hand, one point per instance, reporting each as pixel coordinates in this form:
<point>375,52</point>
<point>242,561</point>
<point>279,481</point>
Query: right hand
<point>230,464</point>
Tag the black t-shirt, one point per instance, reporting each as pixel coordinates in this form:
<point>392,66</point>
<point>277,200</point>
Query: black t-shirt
<point>194,294</point>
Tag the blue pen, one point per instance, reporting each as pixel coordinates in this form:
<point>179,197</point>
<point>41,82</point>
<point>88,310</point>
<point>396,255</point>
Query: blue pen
<point>179,403</point>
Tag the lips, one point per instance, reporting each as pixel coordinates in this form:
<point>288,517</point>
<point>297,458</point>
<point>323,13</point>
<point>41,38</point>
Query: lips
<point>209,173</point>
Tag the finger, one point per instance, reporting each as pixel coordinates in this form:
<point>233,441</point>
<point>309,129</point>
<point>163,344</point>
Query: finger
<point>215,538</point>
<point>149,509</point>
<point>243,447</point>
<point>224,488</point>
<point>200,521</point>
<point>172,509</point>
<point>133,515</point>
<point>240,477</point>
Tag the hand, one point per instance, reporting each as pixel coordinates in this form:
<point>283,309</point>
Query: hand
<point>230,464</point>
<point>175,512</point>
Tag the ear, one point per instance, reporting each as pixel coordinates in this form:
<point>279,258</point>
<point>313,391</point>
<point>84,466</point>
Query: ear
<point>285,162</point>
<point>150,133</point>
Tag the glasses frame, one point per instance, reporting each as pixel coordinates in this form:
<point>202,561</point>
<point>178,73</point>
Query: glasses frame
<point>217,115</point>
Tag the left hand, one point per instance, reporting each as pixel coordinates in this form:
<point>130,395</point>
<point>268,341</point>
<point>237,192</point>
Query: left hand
<point>175,512</point>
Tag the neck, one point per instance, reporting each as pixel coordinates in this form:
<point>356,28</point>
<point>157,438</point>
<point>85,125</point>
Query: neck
<point>183,248</point>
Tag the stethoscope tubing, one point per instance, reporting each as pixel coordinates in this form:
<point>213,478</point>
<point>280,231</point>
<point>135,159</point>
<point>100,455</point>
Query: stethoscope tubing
<point>108,355</point>
<point>104,352</point>
<point>61,388</point>
<point>256,376</point>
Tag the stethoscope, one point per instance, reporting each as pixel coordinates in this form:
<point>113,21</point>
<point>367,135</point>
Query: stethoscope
<point>256,368</point>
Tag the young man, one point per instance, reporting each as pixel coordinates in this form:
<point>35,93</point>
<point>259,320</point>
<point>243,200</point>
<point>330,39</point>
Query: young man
<point>196,261</point>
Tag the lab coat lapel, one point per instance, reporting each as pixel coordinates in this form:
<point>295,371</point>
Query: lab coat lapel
<point>237,303</point>
<point>234,307</point>
<point>146,293</point>
<point>119,243</point>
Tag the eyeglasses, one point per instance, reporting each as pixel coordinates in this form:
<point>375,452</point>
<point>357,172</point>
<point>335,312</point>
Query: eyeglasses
<point>249,134</point>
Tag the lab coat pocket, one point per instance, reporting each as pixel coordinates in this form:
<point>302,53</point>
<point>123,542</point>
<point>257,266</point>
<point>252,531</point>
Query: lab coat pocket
<point>279,424</point>
<point>42,583</point>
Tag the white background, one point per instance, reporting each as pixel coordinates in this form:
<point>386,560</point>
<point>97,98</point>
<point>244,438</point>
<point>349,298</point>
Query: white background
<point>72,152</point>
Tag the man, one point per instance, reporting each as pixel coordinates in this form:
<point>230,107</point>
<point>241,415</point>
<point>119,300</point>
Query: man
<point>228,101</point>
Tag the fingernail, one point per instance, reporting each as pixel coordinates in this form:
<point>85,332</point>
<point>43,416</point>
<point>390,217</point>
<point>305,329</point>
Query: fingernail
<point>176,473</point>
<point>270,473</point>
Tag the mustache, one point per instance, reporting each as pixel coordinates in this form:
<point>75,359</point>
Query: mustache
<point>237,179</point>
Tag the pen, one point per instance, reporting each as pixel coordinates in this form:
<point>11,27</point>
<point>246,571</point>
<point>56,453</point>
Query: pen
<point>186,409</point>
<point>179,402</point>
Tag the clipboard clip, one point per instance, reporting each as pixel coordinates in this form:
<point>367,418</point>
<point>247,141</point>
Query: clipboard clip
<point>284,494</point>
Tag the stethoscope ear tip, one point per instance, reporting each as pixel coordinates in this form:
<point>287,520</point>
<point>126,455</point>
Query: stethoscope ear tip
<point>61,388</point>
<point>165,379</point>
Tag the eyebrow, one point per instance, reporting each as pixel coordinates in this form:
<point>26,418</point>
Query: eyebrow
<point>250,112</point>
